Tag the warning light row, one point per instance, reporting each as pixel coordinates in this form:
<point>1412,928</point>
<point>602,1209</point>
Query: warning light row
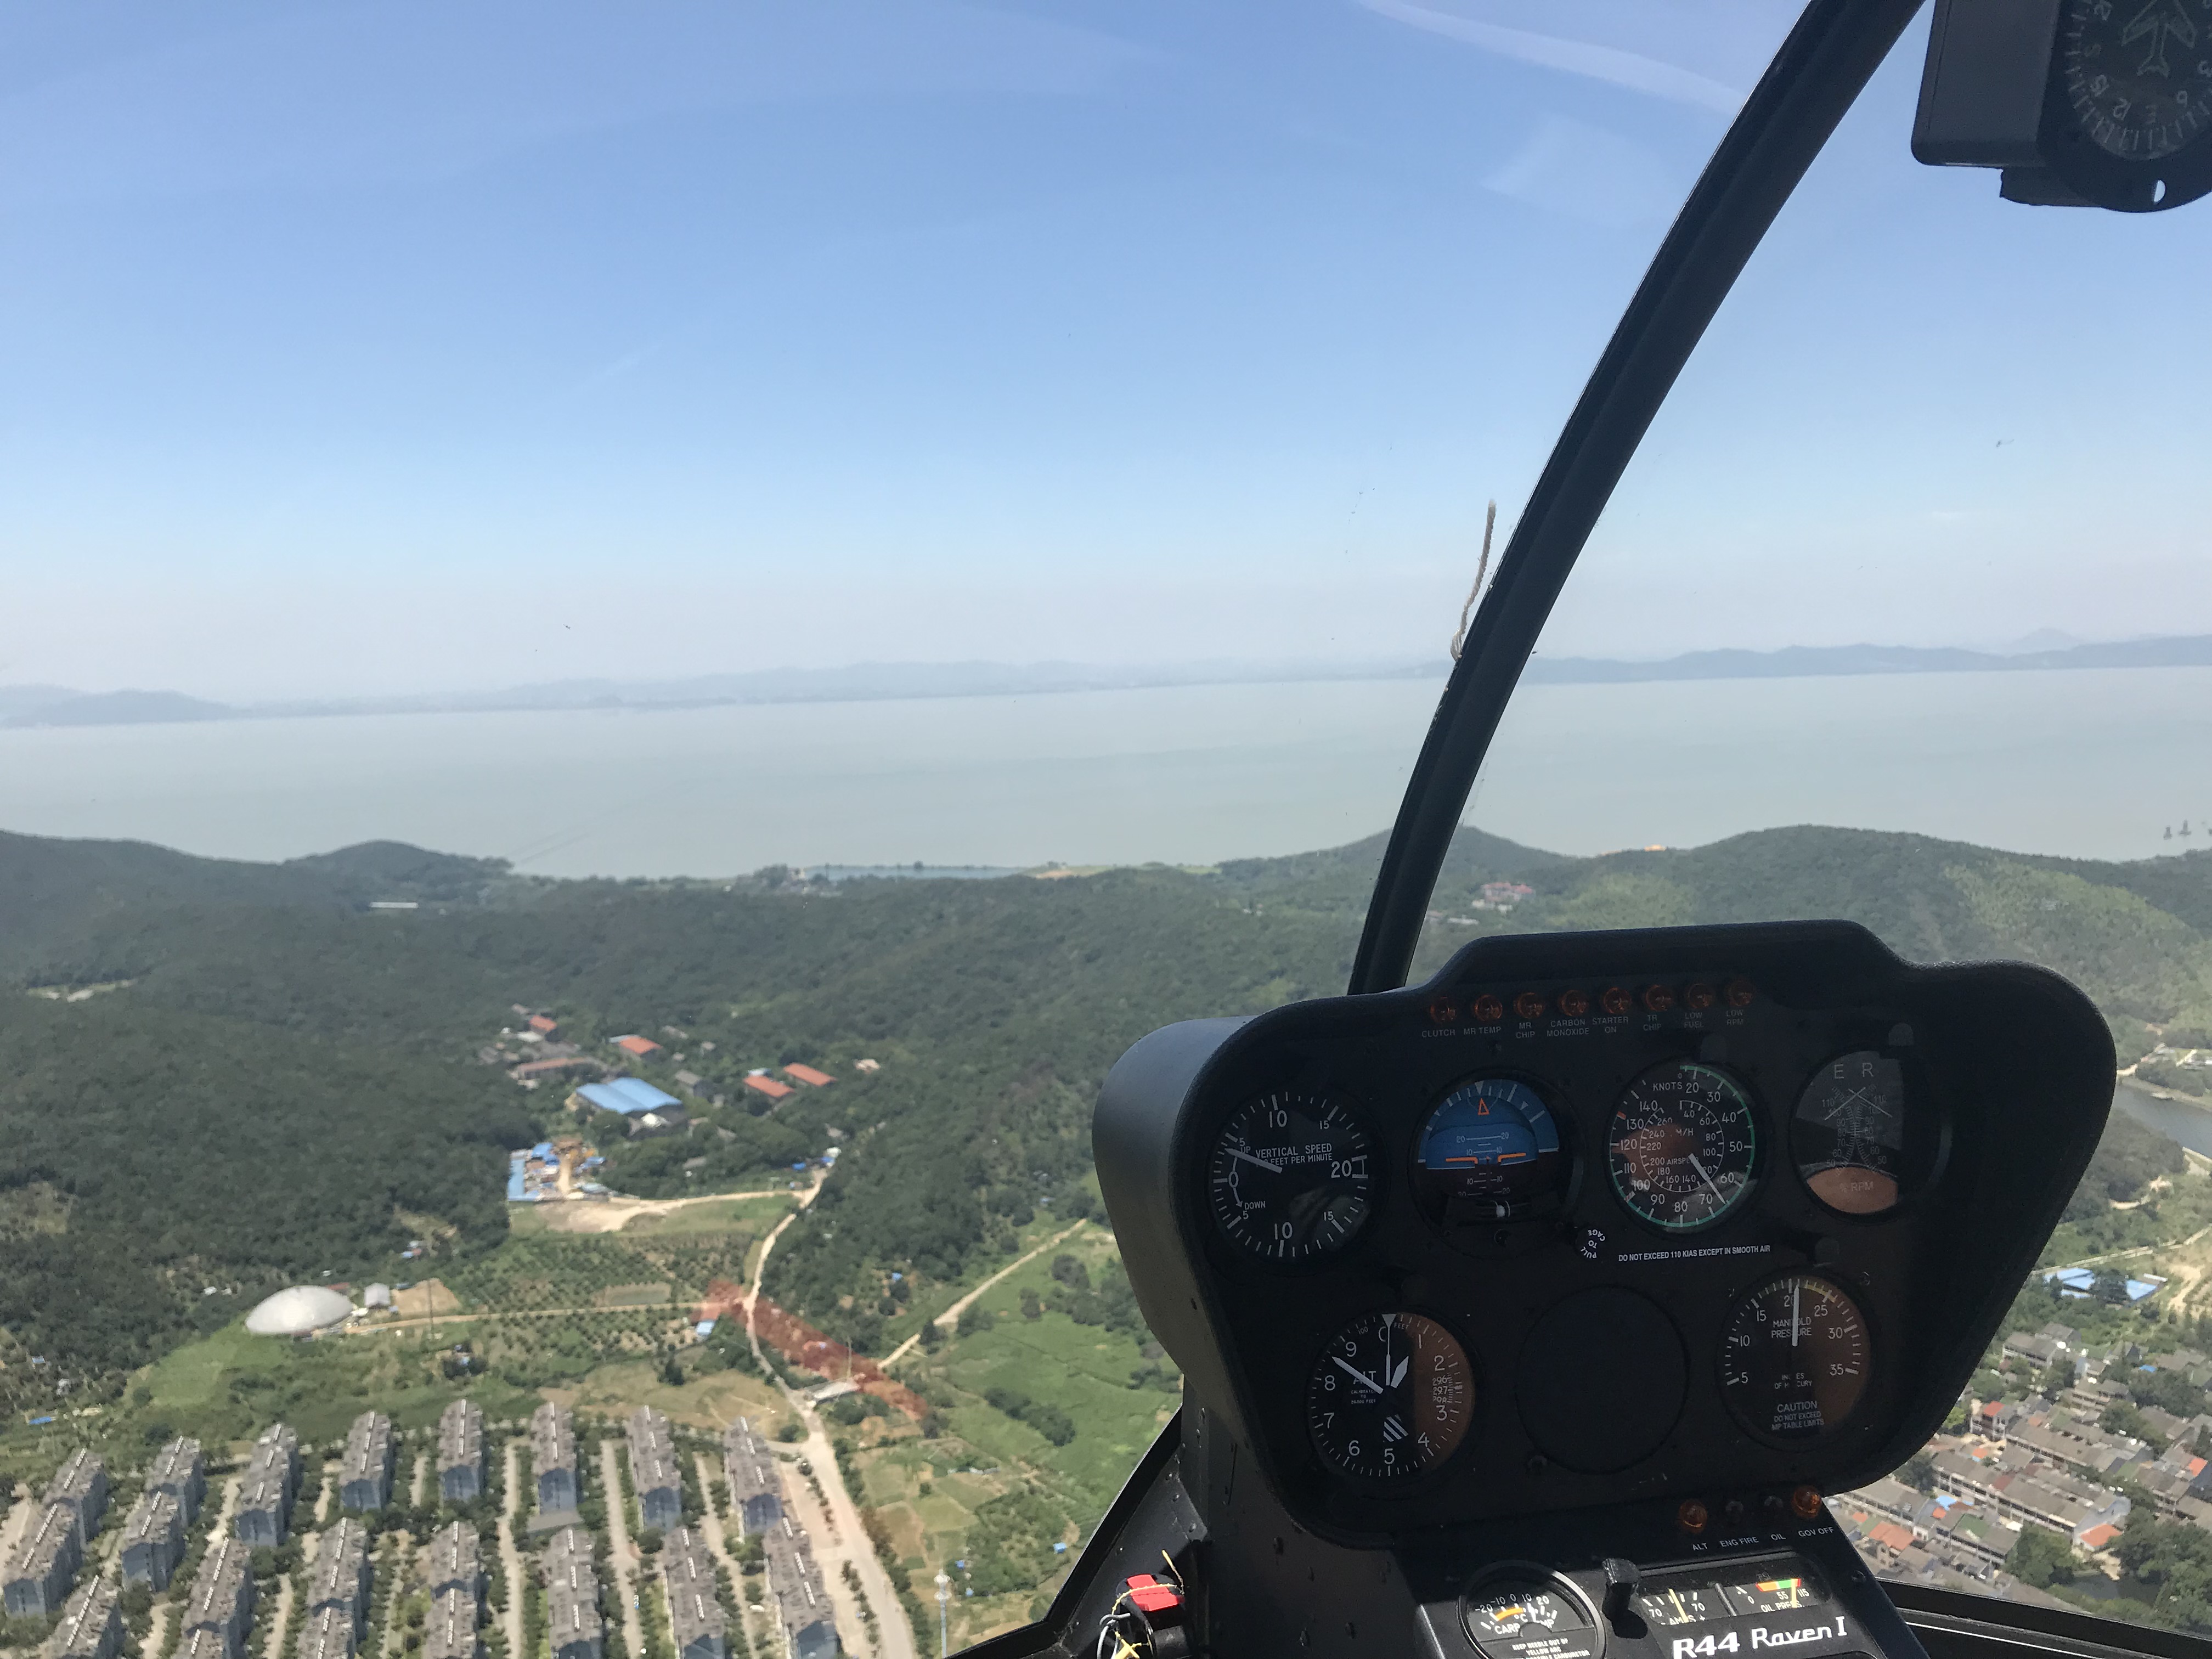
<point>1487,1008</point>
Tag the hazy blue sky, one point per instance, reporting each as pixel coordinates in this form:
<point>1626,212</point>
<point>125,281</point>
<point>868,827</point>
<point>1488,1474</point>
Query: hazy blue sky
<point>398,345</point>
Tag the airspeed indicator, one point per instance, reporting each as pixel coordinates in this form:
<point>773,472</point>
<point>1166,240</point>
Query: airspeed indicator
<point>1291,1176</point>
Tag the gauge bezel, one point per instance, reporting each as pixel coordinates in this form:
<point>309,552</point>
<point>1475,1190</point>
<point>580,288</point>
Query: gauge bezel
<point>1391,1486</point>
<point>1229,1248</point>
<point>1855,1420</point>
<point>1488,1237</point>
<point>1527,1573</point>
<point>1924,1155</point>
<point>1762,1140</point>
<point>2122,184</point>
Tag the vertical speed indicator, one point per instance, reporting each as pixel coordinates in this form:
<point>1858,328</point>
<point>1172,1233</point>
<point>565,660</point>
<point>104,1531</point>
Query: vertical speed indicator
<point>1291,1176</point>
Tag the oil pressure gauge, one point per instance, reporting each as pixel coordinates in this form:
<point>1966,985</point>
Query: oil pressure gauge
<point>1291,1176</point>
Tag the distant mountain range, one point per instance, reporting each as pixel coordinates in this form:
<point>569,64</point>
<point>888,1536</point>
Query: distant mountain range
<point>58,706</point>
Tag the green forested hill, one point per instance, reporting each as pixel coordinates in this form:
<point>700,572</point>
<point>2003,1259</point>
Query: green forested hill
<point>288,1084</point>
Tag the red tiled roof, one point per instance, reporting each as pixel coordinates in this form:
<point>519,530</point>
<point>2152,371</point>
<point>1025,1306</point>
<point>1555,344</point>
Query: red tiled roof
<point>2097,1537</point>
<point>769,1086</point>
<point>541,1023</point>
<point>1892,1537</point>
<point>638,1045</point>
<point>809,1076</point>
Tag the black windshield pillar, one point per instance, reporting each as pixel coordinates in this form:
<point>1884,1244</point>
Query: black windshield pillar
<point>1821,70</point>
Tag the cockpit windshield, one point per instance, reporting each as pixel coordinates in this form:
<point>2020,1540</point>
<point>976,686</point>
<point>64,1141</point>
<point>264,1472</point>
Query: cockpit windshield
<point>641,642</point>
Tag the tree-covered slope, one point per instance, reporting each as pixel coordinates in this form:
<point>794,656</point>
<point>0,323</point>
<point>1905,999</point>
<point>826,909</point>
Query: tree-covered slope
<point>286,1073</point>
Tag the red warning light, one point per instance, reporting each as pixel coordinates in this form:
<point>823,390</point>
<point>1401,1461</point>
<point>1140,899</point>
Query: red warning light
<point>1699,997</point>
<point>1613,1000</point>
<point>1486,1010</point>
<point>1574,1004</point>
<point>1658,998</point>
<point>1806,1501</point>
<point>1443,1012</point>
<point>1529,1004</point>
<point>1692,1516</point>
<point>1739,993</point>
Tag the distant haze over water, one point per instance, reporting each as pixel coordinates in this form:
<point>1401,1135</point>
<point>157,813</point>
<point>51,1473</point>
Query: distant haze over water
<point>2087,762</point>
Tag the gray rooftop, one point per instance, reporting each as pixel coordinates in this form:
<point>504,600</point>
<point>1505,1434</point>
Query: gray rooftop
<point>367,1448</point>
<point>552,1437</point>
<point>52,1534</point>
<point>176,1465</point>
<point>222,1586</point>
<point>78,1479</point>
<point>460,1435</point>
<point>341,1556</point>
<point>329,1634</point>
<point>688,1571</point>
<point>451,1629</point>
<point>572,1589</point>
<point>157,1515</point>
<point>89,1623</point>
<point>456,1559</point>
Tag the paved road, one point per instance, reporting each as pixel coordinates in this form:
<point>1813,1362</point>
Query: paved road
<point>511,1558</point>
<point>951,1316</point>
<point>283,1616</point>
<point>395,1629</point>
<point>895,1635</point>
<point>19,1518</point>
<point>761,1635</point>
<point>623,1556</point>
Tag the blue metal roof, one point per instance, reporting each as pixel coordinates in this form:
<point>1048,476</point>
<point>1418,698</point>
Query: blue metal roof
<point>626,1094</point>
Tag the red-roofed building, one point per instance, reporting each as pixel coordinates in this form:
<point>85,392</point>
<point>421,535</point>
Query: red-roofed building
<point>809,1076</point>
<point>1892,1537</point>
<point>769,1086</point>
<point>642,1048</point>
<point>543,1024</point>
<point>2097,1537</point>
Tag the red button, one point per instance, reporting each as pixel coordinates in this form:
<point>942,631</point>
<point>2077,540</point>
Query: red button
<point>1487,1010</point>
<point>1574,1004</point>
<point>1658,998</point>
<point>1529,1004</point>
<point>1613,1000</point>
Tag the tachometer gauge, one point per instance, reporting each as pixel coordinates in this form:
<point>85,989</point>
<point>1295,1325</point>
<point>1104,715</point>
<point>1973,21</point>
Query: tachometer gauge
<point>1794,1358</point>
<point>1847,1136</point>
<point>1291,1176</point>
<point>1490,1152</point>
<point>1683,1146</point>
<point>1391,1395</point>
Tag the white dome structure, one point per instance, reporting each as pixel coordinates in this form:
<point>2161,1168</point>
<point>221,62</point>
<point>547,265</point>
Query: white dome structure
<point>297,1311</point>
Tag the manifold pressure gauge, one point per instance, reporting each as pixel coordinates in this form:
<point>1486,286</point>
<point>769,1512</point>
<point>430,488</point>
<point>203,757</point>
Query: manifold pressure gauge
<point>1291,1176</point>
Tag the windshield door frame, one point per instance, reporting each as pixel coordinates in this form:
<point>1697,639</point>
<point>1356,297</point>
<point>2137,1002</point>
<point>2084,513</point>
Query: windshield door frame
<point>1830,54</point>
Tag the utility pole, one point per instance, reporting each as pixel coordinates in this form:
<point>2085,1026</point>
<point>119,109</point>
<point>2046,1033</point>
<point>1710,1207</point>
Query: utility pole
<point>944,1615</point>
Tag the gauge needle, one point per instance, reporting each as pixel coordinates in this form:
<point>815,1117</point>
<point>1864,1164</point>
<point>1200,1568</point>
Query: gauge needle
<point>1271,1169</point>
<point>1707,1179</point>
<point>1397,1373</point>
<point>1360,1377</point>
<point>1796,1290</point>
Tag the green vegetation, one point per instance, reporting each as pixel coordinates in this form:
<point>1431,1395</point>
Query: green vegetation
<point>279,1086</point>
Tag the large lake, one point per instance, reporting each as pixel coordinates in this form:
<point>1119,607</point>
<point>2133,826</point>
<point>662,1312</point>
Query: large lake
<point>2091,763</point>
